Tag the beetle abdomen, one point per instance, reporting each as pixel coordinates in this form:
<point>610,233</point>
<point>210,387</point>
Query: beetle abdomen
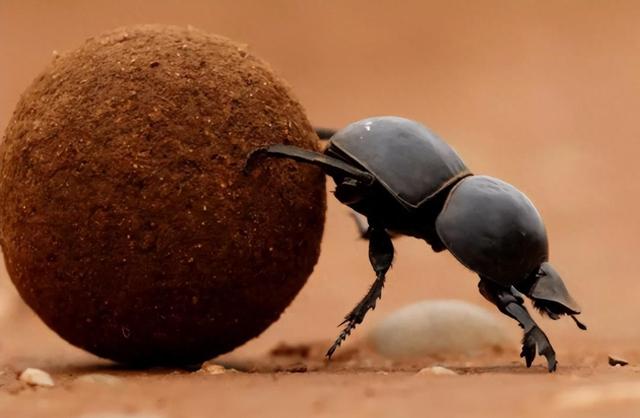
<point>410,161</point>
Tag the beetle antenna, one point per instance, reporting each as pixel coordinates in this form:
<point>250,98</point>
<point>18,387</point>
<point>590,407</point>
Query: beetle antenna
<point>578,323</point>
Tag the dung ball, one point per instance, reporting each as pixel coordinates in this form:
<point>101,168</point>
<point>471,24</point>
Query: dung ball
<point>126,221</point>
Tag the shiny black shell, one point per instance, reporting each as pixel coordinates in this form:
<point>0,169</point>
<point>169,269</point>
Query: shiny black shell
<point>493,229</point>
<point>409,161</point>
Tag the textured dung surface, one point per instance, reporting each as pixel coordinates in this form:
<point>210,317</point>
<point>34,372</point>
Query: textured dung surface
<point>126,222</point>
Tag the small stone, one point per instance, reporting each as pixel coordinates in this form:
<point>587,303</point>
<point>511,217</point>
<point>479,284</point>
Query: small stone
<point>437,371</point>
<point>99,378</point>
<point>36,377</point>
<point>439,328</point>
<point>617,361</point>
<point>215,369</point>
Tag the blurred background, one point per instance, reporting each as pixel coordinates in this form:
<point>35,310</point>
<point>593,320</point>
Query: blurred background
<point>543,94</point>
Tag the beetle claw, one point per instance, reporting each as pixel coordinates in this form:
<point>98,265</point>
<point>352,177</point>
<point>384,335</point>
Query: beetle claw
<point>355,317</point>
<point>343,336</point>
<point>536,339</point>
<point>509,303</point>
<point>528,351</point>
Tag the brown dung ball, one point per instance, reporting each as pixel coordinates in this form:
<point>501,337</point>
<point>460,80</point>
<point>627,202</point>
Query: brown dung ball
<point>126,221</point>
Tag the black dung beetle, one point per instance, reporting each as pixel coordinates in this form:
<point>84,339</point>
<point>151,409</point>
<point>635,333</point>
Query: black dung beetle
<point>405,180</point>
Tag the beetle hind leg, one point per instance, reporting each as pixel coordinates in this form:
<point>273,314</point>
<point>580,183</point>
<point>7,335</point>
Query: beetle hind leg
<point>381,257</point>
<point>512,305</point>
<point>331,165</point>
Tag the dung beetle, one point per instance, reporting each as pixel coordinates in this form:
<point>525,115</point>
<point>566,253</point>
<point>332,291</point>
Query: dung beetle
<point>403,179</point>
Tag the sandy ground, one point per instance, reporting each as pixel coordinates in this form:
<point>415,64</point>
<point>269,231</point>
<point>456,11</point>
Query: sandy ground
<point>541,94</point>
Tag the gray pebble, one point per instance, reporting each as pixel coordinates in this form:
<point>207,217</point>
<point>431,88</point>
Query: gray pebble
<point>438,328</point>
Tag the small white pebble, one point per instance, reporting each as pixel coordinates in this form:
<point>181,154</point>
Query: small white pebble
<point>215,369</point>
<point>437,371</point>
<point>99,378</point>
<point>36,377</point>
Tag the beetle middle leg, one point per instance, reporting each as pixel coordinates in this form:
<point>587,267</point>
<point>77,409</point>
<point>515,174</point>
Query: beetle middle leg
<point>381,257</point>
<point>511,304</point>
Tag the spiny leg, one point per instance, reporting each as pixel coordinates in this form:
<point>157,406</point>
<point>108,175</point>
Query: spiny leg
<point>511,304</point>
<point>381,257</point>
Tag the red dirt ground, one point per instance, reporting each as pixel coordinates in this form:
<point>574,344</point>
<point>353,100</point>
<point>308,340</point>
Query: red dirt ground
<point>541,94</point>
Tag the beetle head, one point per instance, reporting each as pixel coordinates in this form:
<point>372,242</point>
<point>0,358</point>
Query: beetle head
<point>549,294</point>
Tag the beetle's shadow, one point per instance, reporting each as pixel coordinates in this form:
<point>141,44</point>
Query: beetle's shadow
<point>105,367</point>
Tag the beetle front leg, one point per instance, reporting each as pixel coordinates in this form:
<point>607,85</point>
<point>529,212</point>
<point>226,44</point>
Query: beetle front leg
<point>511,304</point>
<point>381,257</point>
